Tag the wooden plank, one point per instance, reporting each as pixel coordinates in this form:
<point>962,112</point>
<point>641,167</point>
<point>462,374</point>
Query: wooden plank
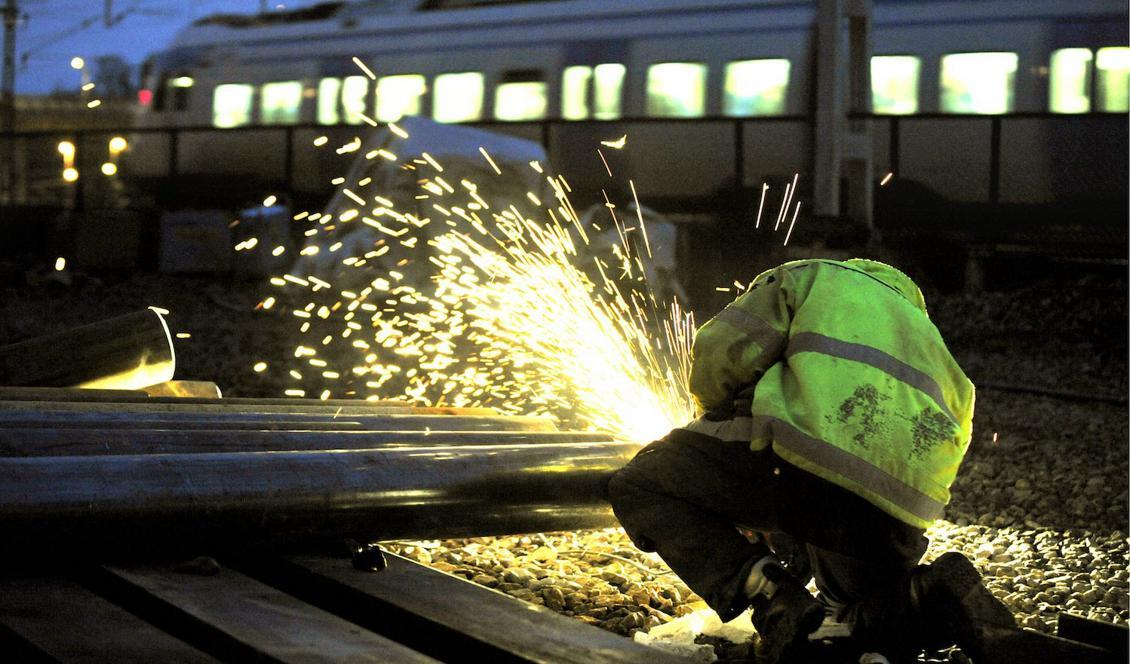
<point>447,617</point>
<point>1109,636</point>
<point>68,623</point>
<point>229,608</point>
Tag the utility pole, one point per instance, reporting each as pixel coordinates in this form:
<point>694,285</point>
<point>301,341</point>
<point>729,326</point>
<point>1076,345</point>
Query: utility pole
<point>8,99</point>
<point>843,146</point>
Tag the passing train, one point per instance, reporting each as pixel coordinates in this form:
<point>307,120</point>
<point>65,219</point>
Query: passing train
<point>1013,102</point>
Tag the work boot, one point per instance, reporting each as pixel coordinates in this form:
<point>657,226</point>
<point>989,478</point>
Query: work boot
<point>949,594</point>
<point>784,620</point>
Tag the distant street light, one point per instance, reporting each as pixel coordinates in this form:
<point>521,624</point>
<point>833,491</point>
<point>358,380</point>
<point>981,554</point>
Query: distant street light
<point>70,174</point>
<point>109,168</point>
<point>77,63</point>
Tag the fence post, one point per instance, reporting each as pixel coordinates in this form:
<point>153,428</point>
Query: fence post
<point>288,162</point>
<point>174,154</point>
<point>545,137</point>
<point>739,155</point>
<point>995,160</point>
<point>80,189</point>
<point>894,148</point>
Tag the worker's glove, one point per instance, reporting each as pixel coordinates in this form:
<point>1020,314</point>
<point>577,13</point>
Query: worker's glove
<point>720,414</point>
<point>783,616</point>
<point>737,408</point>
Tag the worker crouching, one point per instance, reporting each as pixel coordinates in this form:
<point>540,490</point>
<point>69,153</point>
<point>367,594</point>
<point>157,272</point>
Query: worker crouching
<point>833,414</point>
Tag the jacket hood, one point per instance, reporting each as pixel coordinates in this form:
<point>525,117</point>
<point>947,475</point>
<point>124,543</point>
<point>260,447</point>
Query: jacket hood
<point>891,277</point>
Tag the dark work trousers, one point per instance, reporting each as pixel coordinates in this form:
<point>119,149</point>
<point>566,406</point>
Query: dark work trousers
<point>684,495</point>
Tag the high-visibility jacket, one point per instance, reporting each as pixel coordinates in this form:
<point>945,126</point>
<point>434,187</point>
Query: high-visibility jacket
<point>848,379</point>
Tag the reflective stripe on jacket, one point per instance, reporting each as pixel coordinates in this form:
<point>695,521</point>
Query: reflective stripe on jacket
<point>849,380</point>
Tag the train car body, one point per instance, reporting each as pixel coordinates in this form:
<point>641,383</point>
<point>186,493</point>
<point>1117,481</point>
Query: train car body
<point>1001,102</point>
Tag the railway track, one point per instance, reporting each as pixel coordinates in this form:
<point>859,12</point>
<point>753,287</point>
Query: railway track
<point>185,529</point>
<point>108,489</point>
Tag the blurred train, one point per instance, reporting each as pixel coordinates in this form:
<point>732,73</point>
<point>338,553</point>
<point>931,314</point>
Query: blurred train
<point>714,95</point>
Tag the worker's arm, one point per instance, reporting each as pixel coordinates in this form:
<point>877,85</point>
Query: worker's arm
<point>733,349</point>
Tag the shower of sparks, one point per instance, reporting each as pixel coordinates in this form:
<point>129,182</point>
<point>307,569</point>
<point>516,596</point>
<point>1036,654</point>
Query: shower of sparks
<point>458,297</point>
<point>886,179</point>
<point>470,301</point>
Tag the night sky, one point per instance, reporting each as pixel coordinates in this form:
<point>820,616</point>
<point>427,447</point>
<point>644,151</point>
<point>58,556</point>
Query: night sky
<point>51,32</point>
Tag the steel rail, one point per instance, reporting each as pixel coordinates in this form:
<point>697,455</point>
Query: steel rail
<point>51,442</point>
<point>126,352</point>
<point>138,504</point>
<point>286,421</point>
<point>256,407</point>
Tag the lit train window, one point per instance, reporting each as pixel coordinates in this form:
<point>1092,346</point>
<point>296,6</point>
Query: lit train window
<point>608,82</point>
<point>756,87</point>
<point>399,95</point>
<point>520,96</point>
<point>1112,88</point>
<point>575,92</point>
<point>978,82</point>
<point>458,97</point>
<point>280,102</point>
<point>329,89</point>
<point>605,81</point>
<point>231,105</point>
<point>894,84</point>
<point>354,98</point>
<point>676,89</point>
<point>1069,80</point>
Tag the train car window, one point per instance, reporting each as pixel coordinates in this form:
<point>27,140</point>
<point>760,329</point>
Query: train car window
<point>180,88</point>
<point>521,95</point>
<point>608,84</point>
<point>604,81</point>
<point>1069,80</point>
<point>329,91</point>
<point>354,98</point>
<point>575,83</point>
<point>676,89</point>
<point>756,87</point>
<point>1112,89</point>
<point>894,84</point>
<point>231,105</point>
<point>458,97</point>
<point>978,82</point>
<point>280,102</point>
<point>399,95</point>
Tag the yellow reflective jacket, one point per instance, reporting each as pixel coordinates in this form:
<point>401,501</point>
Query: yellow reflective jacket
<point>849,380</point>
